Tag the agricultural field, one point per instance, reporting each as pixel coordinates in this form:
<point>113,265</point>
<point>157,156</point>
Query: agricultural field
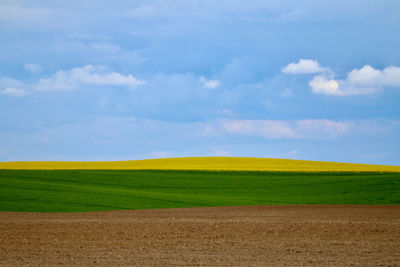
<point>205,211</point>
<point>100,190</point>
<point>235,236</point>
<point>204,163</point>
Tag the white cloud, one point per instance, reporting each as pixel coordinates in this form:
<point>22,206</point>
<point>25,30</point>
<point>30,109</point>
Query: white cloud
<point>364,81</point>
<point>369,76</point>
<point>304,66</point>
<point>87,75</point>
<point>322,85</point>
<point>15,92</point>
<point>210,84</point>
<point>12,87</point>
<point>33,67</point>
<point>281,129</point>
<point>11,83</point>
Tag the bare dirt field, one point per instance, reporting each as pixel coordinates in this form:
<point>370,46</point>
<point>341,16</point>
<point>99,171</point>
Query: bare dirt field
<point>240,236</point>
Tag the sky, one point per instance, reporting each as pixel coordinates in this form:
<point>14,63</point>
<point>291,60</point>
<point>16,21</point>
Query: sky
<point>126,80</point>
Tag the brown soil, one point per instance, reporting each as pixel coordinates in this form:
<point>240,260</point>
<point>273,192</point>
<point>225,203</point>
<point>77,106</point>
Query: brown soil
<point>240,236</point>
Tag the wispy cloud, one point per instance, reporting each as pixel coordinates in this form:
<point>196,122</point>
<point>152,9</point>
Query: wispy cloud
<point>33,68</point>
<point>87,75</point>
<point>210,84</point>
<point>13,92</point>
<point>305,129</point>
<point>18,13</point>
<point>280,129</point>
<point>12,87</point>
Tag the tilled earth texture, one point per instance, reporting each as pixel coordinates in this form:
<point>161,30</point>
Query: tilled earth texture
<point>223,236</point>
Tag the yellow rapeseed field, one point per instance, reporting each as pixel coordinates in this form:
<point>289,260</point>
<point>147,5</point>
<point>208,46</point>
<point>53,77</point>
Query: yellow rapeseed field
<point>203,163</point>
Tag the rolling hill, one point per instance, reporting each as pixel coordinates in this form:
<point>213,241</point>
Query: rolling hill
<point>204,163</point>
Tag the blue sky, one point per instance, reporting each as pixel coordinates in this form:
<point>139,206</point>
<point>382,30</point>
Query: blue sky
<point>120,80</point>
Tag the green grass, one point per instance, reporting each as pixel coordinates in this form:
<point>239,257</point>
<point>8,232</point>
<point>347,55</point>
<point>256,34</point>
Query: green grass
<point>95,190</point>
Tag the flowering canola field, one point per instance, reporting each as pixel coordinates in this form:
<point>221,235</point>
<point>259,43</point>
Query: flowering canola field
<point>203,163</point>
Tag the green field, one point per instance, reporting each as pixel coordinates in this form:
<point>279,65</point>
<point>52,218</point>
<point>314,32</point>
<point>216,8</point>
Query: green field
<point>96,190</point>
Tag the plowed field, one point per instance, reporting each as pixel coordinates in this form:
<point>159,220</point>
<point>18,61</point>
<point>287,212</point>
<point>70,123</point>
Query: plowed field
<point>244,236</point>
